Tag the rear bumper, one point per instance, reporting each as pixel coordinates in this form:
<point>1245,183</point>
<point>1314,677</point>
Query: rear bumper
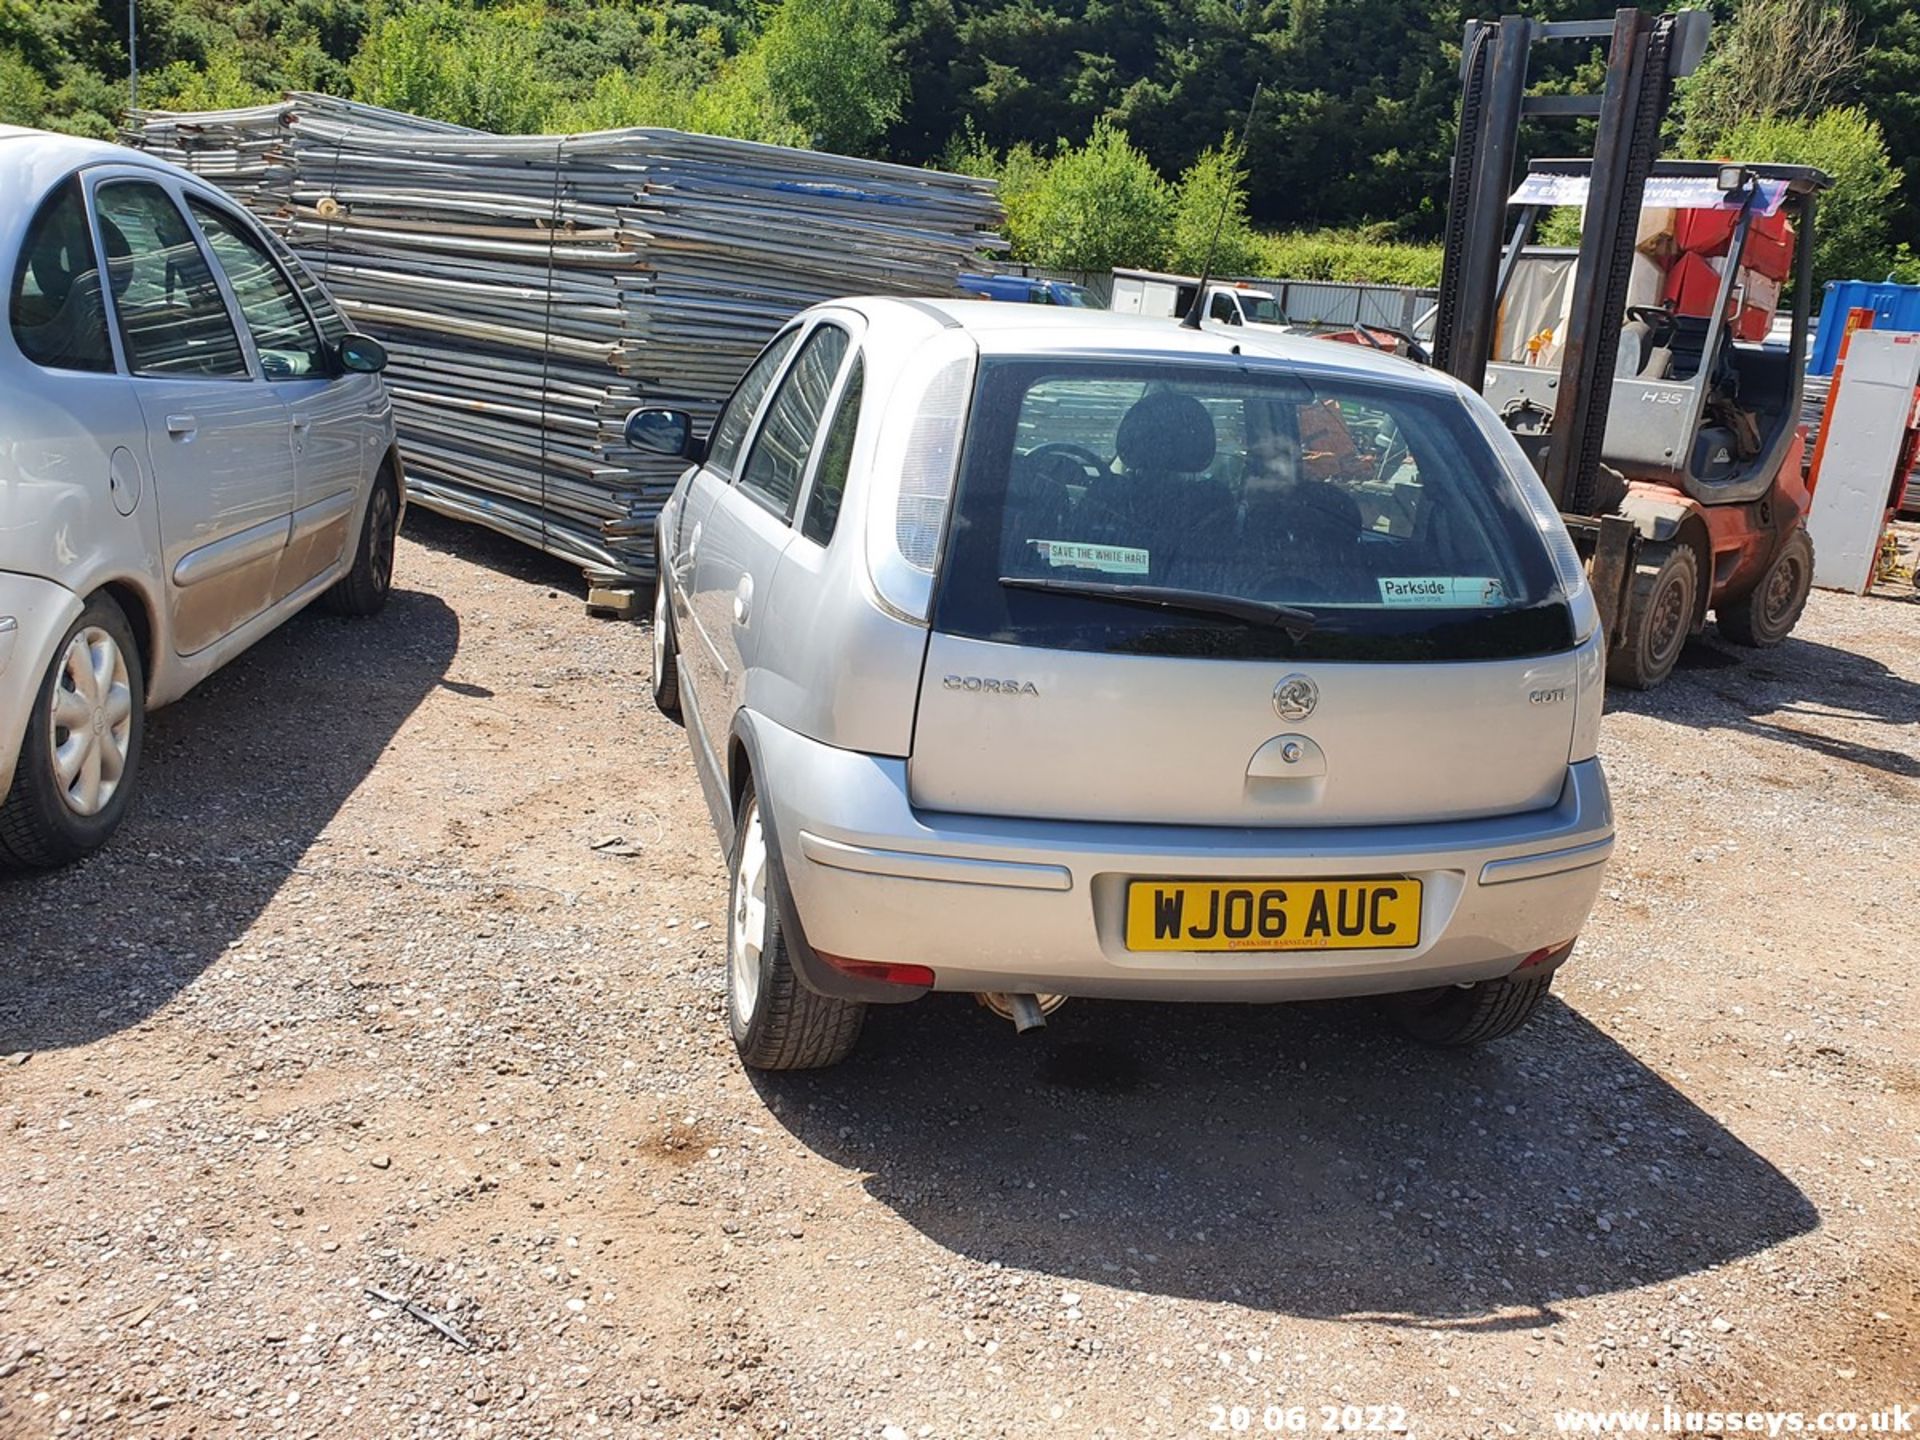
<point>993,903</point>
<point>34,613</point>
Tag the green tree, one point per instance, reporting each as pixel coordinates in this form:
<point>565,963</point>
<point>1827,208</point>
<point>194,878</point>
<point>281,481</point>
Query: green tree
<point>1020,175</point>
<point>1887,84</point>
<point>734,99</point>
<point>218,84</point>
<point>1210,229</point>
<point>1096,207</point>
<point>833,68</point>
<point>451,62</point>
<point>23,90</point>
<point>1850,220</point>
<point>1777,59</point>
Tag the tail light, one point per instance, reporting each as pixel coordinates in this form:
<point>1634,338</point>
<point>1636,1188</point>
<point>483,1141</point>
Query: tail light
<point>914,467</point>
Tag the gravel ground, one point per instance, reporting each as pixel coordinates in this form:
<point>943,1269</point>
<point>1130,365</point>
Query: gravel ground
<point>406,975</point>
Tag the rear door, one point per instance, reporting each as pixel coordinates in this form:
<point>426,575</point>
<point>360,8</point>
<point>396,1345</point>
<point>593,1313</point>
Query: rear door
<point>708,611</point>
<point>219,438</point>
<point>751,525</point>
<point>332,412</point>
<point>1428,672</point>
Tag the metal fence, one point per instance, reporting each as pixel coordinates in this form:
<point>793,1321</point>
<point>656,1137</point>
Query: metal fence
<point>531,289</point>
<point>1333,305</point>
<point>1322,304</point>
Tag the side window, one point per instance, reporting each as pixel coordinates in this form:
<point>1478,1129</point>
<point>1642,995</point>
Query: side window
<point>731,428</point>
<point>333,326</point>
<point>1223,308</point>
<point>289,346</point>
<point>830,480</point>
<point>173,320</point>
<point>58,317</point>
<point>786,440</point>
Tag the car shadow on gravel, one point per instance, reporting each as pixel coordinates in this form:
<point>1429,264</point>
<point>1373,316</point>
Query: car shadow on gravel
<point>489,549</point>
<point>240,777</point>
<point>1786,695</point>
<point>1298,1159</point>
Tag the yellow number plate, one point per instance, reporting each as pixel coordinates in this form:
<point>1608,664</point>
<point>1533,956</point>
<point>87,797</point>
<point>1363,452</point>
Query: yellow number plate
<point>1271,915</point>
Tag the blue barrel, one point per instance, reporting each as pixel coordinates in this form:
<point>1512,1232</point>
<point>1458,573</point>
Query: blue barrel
<point>1895,307</point>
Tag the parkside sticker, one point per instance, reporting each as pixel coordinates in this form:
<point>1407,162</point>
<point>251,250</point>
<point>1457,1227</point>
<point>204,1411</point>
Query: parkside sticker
<point>1114,559</point>
<point>1442,591</point>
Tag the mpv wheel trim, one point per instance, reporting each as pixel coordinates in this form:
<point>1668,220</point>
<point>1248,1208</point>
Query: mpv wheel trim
<point>749,917</point>
<point>381,515</point>
<point>92,722</point>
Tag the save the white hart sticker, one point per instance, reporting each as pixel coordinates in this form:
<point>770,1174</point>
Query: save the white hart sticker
<point>1113,559</point>
<point>1442,590</point>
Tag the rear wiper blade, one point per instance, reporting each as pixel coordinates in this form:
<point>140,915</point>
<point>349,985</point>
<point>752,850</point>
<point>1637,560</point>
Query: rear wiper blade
<point>1296,622</point>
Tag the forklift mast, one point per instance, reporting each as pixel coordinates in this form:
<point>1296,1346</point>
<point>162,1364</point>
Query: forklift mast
<point>1645,55</point>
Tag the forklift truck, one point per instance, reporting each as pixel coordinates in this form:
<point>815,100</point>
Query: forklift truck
<point>1671,446</point>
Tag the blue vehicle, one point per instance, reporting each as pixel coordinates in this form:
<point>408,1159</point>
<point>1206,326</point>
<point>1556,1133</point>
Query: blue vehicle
<point>1028,290</point>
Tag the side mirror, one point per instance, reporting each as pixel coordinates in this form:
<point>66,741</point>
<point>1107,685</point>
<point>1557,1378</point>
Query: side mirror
<point>662,432</point>
<point>361,354</point>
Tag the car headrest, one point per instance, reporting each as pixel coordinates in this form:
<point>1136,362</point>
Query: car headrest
<point>119,256</point>
<point>1166,430</point>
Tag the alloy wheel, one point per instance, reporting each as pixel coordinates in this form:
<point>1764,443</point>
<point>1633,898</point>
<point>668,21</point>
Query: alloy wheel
<point>749,938</point>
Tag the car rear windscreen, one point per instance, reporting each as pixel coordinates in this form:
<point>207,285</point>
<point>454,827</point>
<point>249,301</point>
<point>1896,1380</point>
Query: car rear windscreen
<point>1241,511</point>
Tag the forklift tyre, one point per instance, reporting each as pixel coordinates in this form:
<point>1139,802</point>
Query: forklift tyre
<point>1767,614</point>
<point>1659,617</point>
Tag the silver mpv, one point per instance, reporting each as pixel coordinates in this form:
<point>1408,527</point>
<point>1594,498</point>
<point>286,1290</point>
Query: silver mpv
<point>1057,653</point>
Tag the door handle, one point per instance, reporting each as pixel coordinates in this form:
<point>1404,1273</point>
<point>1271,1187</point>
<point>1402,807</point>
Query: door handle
<point>181,424</point>
<point>302,424</point>
<point>743,600</point>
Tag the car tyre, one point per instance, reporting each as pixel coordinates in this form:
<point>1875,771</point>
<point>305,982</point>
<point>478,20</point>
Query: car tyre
<point>363,590</point>
<point>666,655</point>
<point>777,1023</point>
<point>89,717</point>
<point>1456,1015</point>
<point>1767,614</point>
<point>1659,618</point>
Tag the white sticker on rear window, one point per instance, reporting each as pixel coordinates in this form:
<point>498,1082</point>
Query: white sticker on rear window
<point>1442,590</point>
<point>1112,559</point>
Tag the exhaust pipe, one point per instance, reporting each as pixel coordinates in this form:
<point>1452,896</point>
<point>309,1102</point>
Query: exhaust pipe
<point>1027,1012</point>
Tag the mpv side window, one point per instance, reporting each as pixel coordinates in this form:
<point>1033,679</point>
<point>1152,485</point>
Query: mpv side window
<point>289,346</point>
<point>333,327</point>
<point>731,428</point>
<point>830,480</point>
<point>785,443</point>
<point>173,320</point>
<point>59,319</point>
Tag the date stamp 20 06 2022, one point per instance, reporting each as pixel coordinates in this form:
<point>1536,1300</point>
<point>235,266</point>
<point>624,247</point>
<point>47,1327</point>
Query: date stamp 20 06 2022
<point>1283,1419</point>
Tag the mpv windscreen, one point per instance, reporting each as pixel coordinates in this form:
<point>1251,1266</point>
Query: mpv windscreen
<point>1239,511</point>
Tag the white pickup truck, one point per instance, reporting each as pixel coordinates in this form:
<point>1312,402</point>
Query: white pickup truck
<point>1146,292</point>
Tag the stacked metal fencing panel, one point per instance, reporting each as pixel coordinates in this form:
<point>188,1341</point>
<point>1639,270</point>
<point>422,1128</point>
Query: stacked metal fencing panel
<point>532,289</point>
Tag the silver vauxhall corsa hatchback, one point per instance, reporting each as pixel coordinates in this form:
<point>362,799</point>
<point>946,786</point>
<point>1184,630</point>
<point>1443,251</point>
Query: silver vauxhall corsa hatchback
<point>1057,653</point>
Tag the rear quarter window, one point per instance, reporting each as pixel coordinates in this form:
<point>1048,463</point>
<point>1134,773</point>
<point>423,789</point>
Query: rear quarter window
<point>58,317</point>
